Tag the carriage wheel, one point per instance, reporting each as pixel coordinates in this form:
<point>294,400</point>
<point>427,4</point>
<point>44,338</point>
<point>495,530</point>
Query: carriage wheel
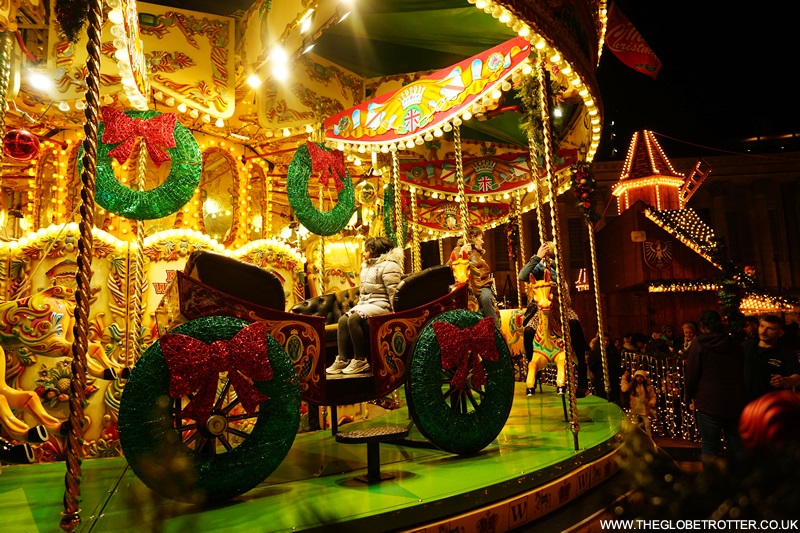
<point>461,422</point>
<point>228,455</point>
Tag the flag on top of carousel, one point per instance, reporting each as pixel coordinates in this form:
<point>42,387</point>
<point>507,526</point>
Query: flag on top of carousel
<point>628,45</point>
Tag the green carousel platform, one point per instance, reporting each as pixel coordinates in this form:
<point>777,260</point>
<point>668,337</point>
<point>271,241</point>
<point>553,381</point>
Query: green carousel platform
<point>531,470</point>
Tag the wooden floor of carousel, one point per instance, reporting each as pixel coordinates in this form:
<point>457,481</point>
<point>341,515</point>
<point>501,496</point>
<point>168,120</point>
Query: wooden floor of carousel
<point>531,470</point>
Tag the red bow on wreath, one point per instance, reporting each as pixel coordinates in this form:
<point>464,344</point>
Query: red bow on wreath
<point>194,366</point>
<point>330,164</point>
<point>157,133</point>
<point>461,349</point>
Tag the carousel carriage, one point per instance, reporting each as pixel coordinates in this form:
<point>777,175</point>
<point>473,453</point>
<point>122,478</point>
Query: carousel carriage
<point>212,408</point>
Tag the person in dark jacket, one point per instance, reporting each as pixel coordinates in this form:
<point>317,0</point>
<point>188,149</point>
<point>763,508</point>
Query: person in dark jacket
<point>594,362</point>
<point>715,383</point>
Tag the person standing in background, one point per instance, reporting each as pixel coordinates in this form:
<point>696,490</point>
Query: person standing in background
<point>715,383</point>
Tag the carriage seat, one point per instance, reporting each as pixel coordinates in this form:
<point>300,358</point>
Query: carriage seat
<point>413,291</point>
<point>237,278</point>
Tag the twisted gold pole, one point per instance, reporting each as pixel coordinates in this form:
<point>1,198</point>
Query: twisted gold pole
<point>398,201</point>
<point>536,196</point>
<point>441,250</point>
<point>416,257</point>
<point>138,283</point>
<point>6,44</point>
<point>71,515</point>
<point>521,251</point>
<point>601,333</point>
<point>462,195</point>
<point>563,292</point>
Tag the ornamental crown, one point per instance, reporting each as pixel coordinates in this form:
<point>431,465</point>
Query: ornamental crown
<point>484,166</point>
<point>411,96</point>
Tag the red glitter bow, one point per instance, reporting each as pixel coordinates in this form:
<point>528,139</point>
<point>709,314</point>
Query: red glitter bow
<point>461,347</point>
<point>156,133</point>
<point>328,164</point>
<point>195,366</point>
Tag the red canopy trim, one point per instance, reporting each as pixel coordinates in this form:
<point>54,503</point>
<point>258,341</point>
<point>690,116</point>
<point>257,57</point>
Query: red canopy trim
<point>482,175</point>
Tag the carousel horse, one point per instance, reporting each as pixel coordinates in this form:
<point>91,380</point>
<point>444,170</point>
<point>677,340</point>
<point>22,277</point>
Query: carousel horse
<point>461,273</point>
<point>548,342</point>
<point>41,325</point>
<point>22,400</point>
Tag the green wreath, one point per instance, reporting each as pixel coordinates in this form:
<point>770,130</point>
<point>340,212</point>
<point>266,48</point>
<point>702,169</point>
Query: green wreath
<point>161,201</point>
<point>317,222</point>
<point>168,460</point>
<point>388,218</point>
<point>451,425</point>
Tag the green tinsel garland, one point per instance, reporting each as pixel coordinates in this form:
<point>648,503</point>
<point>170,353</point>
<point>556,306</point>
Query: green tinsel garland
<point>389,218</point>
<point>184,177</point>
<point>317,222</point>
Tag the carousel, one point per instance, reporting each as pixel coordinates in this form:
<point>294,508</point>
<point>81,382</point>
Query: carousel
<point>185,197</point>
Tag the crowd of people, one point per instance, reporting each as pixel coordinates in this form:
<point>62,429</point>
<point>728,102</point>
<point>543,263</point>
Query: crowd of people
<point>723,373</point>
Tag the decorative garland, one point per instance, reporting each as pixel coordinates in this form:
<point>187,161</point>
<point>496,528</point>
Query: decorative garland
<point>512,237</point>
<point>531,120</point>
<point>389,218</point>
<point>315,157</point>
<point>118,132</point>
<point>72,15</point>
<point>584,186</point>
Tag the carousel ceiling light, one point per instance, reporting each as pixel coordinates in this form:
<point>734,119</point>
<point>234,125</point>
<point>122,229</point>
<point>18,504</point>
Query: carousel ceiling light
<point>308,46</point>
<point>480,4</point>
<point>557,112</point>
<point>527,69</point>
<point>410,144</point>
<point>115,16</point>
<point>505,18</point>
<point>194,113</point>
<point>280,72</point>
<point>466,115</point>
<point>524,31</point>
<point>40,81</point>
<point>447,127</point>
<point>170,101</point>
<point>438,132</point>
<point>540,44</point>
<point>254,81</point>
<point>309,128</point>
<point>219,123</point>
<point>428,137</point>
<point>63,106</point>
<point>357,161</point>
<point>182,107</point>
<point>206,118</point>
<point>80,105</point>
<point>286,132</point>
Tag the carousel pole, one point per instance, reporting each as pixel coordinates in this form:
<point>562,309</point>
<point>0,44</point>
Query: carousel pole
<point>440,242</point>
<point>537,199</point>
<point>138,282</point>
<point>563,293</point>
<point>416,258</point>
<point>71,515</point>
<point>462,195</point>
<point>398,201</point>
<point>6,45</point>
<point>601,334</point>
<point>521,255</point>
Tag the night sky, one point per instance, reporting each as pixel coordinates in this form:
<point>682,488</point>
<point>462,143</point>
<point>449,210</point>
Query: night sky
<point>728,72</point>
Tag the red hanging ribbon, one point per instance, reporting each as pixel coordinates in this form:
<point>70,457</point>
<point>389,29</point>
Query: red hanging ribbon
<point>463,349</point>
<point>194,367</point>
<point>330,164</point>
<point>157,133</point>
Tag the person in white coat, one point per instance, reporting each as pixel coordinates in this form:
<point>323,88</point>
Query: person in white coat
<point>380,274</point>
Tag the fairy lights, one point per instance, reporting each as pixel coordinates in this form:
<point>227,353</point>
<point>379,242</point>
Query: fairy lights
<point>687,227</point>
